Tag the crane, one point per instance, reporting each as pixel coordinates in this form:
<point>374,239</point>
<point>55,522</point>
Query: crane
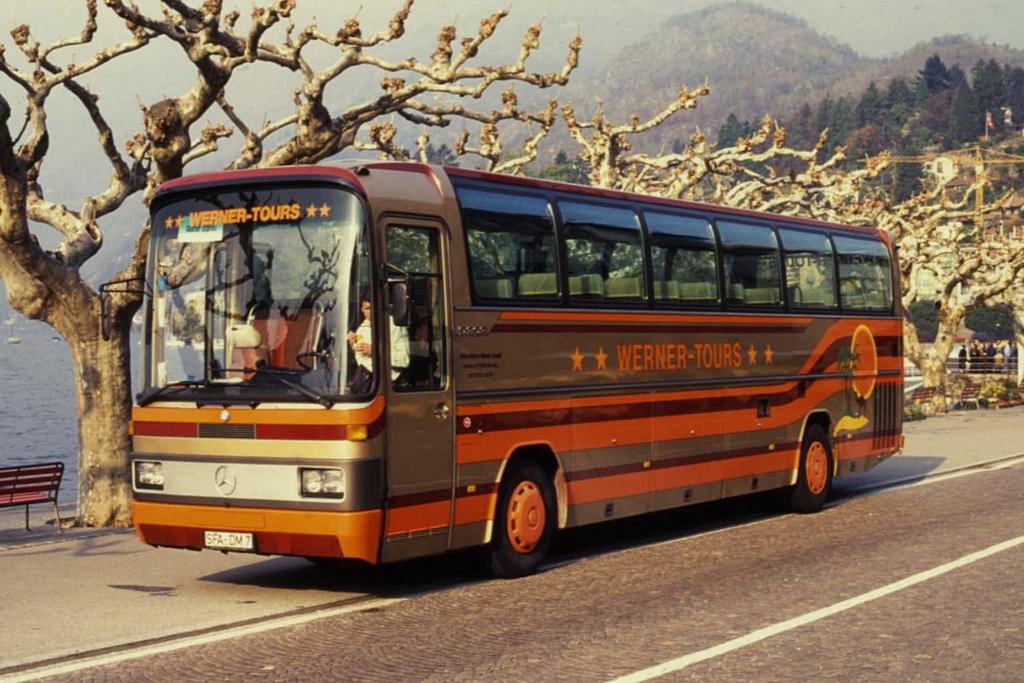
<point>981,159</point>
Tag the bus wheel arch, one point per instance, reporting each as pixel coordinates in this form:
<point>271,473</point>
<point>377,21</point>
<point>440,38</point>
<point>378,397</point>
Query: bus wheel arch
<point>543,454</point>
<point>818,418</point>
<point>525,516</point>
<point>815,470</point>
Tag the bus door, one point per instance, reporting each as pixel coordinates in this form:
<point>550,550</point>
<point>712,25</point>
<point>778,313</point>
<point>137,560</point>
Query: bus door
<point>420,397</point>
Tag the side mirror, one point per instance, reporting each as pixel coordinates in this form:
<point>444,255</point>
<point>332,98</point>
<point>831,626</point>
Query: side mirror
<point>398,293</point>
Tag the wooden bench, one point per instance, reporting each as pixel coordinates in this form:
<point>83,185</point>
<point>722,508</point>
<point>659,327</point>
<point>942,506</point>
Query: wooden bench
<point>29,484</point>
<point>969,394</point>
<point>922,395</point>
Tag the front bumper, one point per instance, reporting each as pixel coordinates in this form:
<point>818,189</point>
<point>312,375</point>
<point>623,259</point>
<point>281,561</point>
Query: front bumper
<point>305,533</point>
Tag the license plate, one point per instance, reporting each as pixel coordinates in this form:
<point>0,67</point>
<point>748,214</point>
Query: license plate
<point>228,540</point>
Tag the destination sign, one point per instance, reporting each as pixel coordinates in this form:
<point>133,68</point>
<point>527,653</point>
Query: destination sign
<point>269,213</point>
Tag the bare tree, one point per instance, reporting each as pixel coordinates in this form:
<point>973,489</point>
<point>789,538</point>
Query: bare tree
<point>973,266</point>
<point>48,286</point>
<point>761,172</point>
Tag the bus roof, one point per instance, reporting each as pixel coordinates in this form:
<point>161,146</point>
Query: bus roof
<point>349,170</point>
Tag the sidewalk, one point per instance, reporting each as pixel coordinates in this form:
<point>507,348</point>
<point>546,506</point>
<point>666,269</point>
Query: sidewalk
<point>42,526</point>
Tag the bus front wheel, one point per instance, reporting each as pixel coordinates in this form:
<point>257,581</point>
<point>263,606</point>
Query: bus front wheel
<point>524,521</point>
<point>814,479</point>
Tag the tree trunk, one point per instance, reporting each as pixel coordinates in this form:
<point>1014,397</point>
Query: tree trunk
<point>1018,337</point>
<point>103,397</point>
<point>933,361</point>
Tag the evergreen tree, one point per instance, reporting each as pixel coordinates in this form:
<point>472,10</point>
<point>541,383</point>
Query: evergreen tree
<point>906,178</point>
<point>925,315</point>
<point>823,114</point>
<point>996,321</point>
<point>802,130</point>
<point>731,131</point>
<point>442,154</point>
<point>899,104</point>
<point>934,75</point>
<point>921,94</point>
<point>956,77</point>
<point>898,93</point>
<point>870,107</point>
<point>565,169</point>
<point>966,120</point>
<point>988,87</point>
<point>841,123</point>
<point>1013,90</point>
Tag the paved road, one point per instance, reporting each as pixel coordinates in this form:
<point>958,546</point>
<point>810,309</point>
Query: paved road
<point>616,599</point>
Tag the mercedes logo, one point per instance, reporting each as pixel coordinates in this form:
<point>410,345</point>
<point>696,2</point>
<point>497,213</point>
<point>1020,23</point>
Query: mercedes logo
<point>225,480</point>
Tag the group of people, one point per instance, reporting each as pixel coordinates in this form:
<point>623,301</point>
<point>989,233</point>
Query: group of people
<point>988,357</point>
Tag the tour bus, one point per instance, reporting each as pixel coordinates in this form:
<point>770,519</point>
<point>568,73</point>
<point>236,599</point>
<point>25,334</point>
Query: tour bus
<point>387,360</point>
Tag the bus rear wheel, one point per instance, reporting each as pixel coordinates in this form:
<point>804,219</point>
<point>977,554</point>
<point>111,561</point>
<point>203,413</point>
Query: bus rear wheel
<point>814,479</point>
<point>524,521</point>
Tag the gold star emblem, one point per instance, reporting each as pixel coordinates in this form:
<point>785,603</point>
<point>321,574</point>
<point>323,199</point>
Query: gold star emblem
<point>768,353</point>
<point>178,221</point>
<point>310,211</point>
<point>752,355</point>
<point>602,358</point>
<point>169,222</point>
<point>577,360</point>
<point>325,211</point>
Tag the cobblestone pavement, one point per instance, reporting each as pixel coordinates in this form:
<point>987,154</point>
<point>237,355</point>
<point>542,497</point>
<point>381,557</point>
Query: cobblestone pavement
<point>593,616</point>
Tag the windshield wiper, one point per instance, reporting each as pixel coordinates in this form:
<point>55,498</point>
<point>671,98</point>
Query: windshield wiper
<point>279,375</point>
<point>150,395</point>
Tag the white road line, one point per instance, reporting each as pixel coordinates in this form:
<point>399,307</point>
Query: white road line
<point>217,636</point>
<point>781,627</point>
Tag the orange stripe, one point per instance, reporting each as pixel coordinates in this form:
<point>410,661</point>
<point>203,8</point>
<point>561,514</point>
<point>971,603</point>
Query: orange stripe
<point>475,508</point>
<point>268,416</point>
<point>850,449</point>
<point>567,437</point>
<point>720,470</point>
<point>423,517</point>
<point>636,483</point>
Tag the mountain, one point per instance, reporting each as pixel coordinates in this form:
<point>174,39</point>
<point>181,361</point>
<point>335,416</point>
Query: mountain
<point>755,59</point>
<point>758,62</point>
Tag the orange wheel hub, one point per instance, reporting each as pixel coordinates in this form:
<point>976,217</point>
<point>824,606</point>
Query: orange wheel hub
<point>816,468</point>
<point>525,517</point>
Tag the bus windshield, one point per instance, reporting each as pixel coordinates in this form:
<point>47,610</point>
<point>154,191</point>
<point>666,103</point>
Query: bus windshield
<point>253,293</point>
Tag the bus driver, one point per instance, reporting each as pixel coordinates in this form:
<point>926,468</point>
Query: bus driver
<point>361,342</point>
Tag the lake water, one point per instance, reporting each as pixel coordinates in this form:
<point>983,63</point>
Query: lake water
<point>37,403</point>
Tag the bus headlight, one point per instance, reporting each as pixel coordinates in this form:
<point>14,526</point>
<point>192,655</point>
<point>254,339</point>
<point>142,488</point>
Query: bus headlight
<point>149,475</point>
<point>320,483</point>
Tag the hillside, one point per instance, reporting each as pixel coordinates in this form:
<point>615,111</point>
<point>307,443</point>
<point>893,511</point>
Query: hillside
<point>754,59</point>
<point>757,61</point>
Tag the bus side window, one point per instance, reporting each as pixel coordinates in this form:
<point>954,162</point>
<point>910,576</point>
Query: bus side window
<point>810,269</point>
<point>683,259</point>
<point>865,274</point>
<point>603,252</point>
<point>510,240</point>
<point>750,257</point>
